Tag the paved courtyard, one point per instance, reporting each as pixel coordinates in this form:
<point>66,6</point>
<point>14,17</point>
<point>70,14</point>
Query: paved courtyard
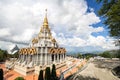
<point>92,72</point>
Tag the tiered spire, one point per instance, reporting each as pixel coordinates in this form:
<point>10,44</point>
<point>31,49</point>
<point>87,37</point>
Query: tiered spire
<point>45,28</point>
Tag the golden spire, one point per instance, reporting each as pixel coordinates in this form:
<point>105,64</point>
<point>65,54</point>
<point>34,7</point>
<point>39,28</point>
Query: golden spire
<point>45,23</point>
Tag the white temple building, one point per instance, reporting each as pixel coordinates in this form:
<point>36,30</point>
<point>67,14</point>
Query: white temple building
<point>42,52</point>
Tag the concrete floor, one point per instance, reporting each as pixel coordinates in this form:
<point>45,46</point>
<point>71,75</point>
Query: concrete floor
<point>94,73</point>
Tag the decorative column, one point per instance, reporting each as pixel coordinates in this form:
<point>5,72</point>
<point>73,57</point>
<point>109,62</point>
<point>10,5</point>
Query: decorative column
<point>60,57</point>
<point>22,58</point>
<point>37,57</point>
<point>63,57</point>
<point>50,58</point>
<point>45,62</point>
<point>41,56</point>
<point>33,59</point>
<point>46,56</point>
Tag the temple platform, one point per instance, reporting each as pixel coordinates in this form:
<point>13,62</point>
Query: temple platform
<point>24,70</point>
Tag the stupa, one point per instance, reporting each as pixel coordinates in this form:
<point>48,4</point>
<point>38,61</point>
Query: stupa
<point>42,52</point>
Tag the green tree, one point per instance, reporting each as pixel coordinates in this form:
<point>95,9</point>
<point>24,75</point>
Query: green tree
<point>88,57</point>
<point>19,78</point>
<point>106,54</point>
<point>40,77</point>
<point>1,74</point>
<point>3,55</point>
<point>53,73</point>
<point>110,10</point>
<point>47,73</point>
<point>79,55</point>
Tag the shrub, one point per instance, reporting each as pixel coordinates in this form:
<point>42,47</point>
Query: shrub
<point>19,78</point>
<point>40,77</point>
<point>1,74</point>
<point>47,73</point>
<point>53,73</point>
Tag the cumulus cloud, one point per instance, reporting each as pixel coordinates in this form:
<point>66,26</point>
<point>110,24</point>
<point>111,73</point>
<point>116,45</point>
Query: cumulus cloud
<point>4,32</point>
<point>20,20</point>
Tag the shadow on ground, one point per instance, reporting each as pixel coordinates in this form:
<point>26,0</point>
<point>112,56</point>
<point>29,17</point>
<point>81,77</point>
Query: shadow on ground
<point>80,77</point>
<point>116,71</point>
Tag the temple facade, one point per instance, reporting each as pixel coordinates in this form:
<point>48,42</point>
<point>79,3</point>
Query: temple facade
<point>43,51</point>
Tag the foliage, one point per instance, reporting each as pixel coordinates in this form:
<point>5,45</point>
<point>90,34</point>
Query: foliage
<point>110,54</point>
<point>53,73</point>
<point>88,57</point>
<point>47,73</point>
<point>110,10</point>
<point>3,55</point>
<point>117,54</point>
<point>79,55</point>
<point>19,78</point>
<point>106,54</point>
<point>1,74</point>
<point>40,75</point>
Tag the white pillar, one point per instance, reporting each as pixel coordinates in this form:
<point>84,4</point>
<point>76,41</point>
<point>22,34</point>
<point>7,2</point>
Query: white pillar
<point>46,56</point>
<point>41,56</point>
<point>50,58</point>
<point>45,59</point>
<point>35,59</point>
<point>63,57</point>
<point>60,57</point>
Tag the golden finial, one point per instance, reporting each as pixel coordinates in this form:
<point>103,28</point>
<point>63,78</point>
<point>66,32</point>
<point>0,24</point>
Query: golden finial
<point>45,23</point>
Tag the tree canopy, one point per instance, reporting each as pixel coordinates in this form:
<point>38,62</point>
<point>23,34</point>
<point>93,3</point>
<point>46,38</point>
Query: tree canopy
<point>110,10</point>
<point>40,77</point>
<point>1,74</point>
<point>3,55</point>
<point>106,54</point>
<point>19,78</point>
<point>47,73</point>
<point>53,73</point>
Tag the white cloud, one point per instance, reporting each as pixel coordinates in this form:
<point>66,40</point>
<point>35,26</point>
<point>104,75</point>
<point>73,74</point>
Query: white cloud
<point>20,20</point>
<point>25,36</point>
<point>4,32</point>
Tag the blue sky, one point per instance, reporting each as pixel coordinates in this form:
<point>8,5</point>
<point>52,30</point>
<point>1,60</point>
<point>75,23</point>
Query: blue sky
<point>96,6</point>
<point>75,24</point>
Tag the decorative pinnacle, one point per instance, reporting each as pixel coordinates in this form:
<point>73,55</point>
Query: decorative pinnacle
<point>45,19</point>
<point>46,11</point>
